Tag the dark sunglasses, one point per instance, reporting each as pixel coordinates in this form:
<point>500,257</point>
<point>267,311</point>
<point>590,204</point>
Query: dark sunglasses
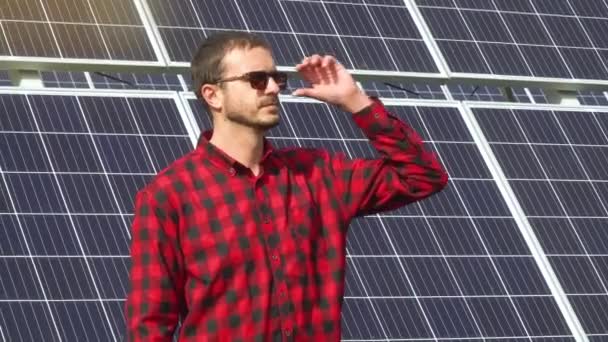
<point>259,79</point>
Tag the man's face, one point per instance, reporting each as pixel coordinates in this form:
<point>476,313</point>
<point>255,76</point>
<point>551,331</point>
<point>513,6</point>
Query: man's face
<point>242,103</point>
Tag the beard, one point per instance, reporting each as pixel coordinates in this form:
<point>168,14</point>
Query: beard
<point>261,121</point>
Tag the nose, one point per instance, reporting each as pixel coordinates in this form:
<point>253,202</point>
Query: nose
<point>272,87</point>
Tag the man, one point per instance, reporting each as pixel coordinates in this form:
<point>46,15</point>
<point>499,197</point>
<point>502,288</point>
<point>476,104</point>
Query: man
<point>238,241</point>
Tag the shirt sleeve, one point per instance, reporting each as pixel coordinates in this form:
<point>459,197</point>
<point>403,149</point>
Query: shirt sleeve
<point>404,173</point>
<point>153,301</point>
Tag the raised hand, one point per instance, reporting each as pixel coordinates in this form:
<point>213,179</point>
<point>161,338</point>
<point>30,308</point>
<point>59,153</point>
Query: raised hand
<point>330,82</point>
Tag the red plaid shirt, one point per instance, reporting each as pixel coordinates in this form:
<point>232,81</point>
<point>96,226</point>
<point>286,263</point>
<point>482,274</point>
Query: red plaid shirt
<point>235,257</point>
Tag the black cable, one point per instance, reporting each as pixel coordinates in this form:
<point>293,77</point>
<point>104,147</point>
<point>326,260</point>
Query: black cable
<point>474,91</point>
<point>404,89</point>
<point>115,79</point>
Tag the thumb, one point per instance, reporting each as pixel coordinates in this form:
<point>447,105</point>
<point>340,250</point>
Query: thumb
<point>308,92</point>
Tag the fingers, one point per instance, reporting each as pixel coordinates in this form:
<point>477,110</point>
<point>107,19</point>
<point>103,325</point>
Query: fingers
<point>317,68</point>
<point>316,60</point>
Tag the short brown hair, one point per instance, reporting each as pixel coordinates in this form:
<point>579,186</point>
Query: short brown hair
<point>207,66</point>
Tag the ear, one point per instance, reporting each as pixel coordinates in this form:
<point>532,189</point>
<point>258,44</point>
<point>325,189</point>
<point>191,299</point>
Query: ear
<point>212,94</point>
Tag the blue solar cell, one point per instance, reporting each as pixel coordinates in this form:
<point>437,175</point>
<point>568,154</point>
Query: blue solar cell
<point>587,64</point>
<point>181,43</point>
<point>579,198</point>
<point>219,14</point>
<point>72,153</point>
<point>424,272</point>
<point>505,59</point>
<point>27,196</point>
<point>545,61</point>
<point>156,116</point>
<point>540,315</point>
<point>356,323</point>
<point>57,114</point>
<point>12,235</point>
<point>525,29</point>
<point>13,108</point>
<point>456,322</point>
<point>496,316</point>
<point>463,160</point>
<point>559,162</point>
<point>536,198</point>
<point>80,321</point>
<point>21,152</point>
<point>126,154</point>
<point>22,283</point>
<point>264,15</point>
<point>166,149</point>
<point>410,323</point>
<point>445,203</point>
<point>114,273</point>
<point>368,53</point>
<point>49,235</point>
<point>125,187</point>
<point>367,269</point>
<point>103,234</point>
<point>21,312</point>
<point>329,45</point>
<point>513,270</point>
<point>501,236</point>
<point>65,278</point>
<point>527,167</point>
<point>558,235</point>
<point>364,238</point>
<point>473,191</point>
<point>577,274</point>
<point>87,193</point>
<point>592,312</point>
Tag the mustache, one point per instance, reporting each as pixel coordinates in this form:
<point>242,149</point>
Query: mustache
<point>269,102</point>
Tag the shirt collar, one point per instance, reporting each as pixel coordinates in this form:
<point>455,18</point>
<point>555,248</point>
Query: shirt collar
<point>220,158</point>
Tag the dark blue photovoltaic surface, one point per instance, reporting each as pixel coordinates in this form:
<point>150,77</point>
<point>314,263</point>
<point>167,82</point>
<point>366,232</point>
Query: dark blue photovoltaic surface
<point>70,167</point>
<point>560,39</point>
<point>372,35</point>
<point>555,162</point>
<point>82,29</point>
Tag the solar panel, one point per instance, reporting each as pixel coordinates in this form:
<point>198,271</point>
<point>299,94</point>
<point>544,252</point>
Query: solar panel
<point>74,30</point>
<point>532,38</point>
<point>554,159</point>
<point>454,266</point>
<point>369,35</point>
<point>70,164</point>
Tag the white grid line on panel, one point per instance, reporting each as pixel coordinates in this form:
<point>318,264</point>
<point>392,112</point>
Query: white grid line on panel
<point>563,208</point>
<point>524,226</point>
<point>103,39</point>
<point>48,20</point>
<point>595,48</point>
<point>105,172</point>
<point>33,264</point>
<point>72,223</point>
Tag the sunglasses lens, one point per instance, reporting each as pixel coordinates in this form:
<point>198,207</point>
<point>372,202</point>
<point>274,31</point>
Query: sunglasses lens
<point>281,79</point>
<point>258,80</point>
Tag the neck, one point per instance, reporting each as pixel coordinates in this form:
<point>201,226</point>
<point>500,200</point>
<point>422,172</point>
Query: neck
<point>243,144</point>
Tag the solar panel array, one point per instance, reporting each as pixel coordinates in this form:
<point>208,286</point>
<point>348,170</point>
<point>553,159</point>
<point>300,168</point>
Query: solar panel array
<point>110,30</point>
<point>537,38</point>
<point>514,249</point>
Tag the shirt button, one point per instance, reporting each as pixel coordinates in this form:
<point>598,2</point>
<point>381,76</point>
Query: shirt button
<point>376,115</point>
<point>232,171</point>
<point>287,332</point>
<point>275,257</point>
